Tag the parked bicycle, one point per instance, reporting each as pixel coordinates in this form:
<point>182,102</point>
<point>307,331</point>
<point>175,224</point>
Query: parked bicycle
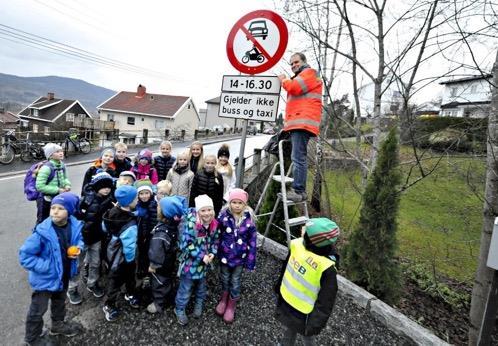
<point>32,151</point>
<point>80,144</point>
<point>10,147</point>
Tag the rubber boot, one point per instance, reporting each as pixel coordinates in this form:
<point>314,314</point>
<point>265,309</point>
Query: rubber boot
<point>222,305</point>
<point>229,314</point>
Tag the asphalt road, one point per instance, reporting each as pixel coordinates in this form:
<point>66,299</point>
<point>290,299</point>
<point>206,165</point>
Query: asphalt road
<point>17,217</point>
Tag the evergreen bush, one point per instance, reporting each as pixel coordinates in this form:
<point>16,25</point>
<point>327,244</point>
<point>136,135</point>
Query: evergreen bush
<point>370,252</point>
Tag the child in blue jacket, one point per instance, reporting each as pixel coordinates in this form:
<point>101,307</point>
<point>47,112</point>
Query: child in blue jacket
<point>121,250</point>
<point>45,255</point>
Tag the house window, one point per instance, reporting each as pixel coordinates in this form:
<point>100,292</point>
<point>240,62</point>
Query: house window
<point>46,130</point>
<point>34,112</point>
<point>188,106</point>
<point>143,119</point>
<point>160,124</point>
<point>473,88</point>
<point>70,117</point>
<point>453,92</point>
<point>35,128</point>
<point>110,117</point>
<point>130,121</point>
<point>81,116</point>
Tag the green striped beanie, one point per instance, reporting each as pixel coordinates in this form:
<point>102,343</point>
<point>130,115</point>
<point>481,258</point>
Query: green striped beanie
<point>322,231</point>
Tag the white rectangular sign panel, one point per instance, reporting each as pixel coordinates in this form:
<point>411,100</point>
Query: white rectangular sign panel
<point>257,107</point>
<point>493,248</point>
<point>251,84</point>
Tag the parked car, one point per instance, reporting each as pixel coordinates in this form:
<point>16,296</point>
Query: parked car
<point>269,131</point>
<point>252,130</point>
<point>218,129</point>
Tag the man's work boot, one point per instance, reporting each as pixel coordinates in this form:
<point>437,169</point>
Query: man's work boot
<point>296,196</point>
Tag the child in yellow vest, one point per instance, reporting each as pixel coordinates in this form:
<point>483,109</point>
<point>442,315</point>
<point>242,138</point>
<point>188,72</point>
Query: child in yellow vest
<point>308,284</point>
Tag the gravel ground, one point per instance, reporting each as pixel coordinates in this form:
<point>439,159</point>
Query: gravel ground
<point>254,322</point>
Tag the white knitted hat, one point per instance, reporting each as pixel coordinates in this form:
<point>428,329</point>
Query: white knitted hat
<point>203,201</point>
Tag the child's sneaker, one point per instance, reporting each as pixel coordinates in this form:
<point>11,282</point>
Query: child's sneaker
<point>64,328</point>
<point>132,300</point>
<point>74,297</point>
<point>42,340</point>
<point>146,283</point>
<point>97,291</point>
<point>153,308</point>
<point>181,317</point>
<point>111,314</point>
<point>197,311</point>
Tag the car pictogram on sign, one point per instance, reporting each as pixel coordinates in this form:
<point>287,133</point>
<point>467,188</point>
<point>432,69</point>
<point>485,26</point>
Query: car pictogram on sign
<point>258,28</point>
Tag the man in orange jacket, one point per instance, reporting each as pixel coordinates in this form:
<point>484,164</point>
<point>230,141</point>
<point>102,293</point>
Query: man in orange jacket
<point>302,118</point>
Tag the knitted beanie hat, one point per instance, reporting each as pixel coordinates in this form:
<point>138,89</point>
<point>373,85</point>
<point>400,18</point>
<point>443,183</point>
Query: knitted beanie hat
<point>172,206</point>
<point>143,184</point>
<point>203,201</point>
<point>239,194</point>
<point>128,174</point>
<point>107,150</point>
<point>102,180</point>
<point>145,154</point>
<point>223,151</point>
<point>125,195</point>
<point>51,148</point>
<point>68,200</point>
<point>322,231</point>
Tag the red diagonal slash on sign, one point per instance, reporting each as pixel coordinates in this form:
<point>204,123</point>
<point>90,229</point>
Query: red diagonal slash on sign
<point>270,60</point>
<point>255,42</point>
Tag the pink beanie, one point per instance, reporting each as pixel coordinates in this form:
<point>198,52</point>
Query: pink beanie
<point>238,194</point>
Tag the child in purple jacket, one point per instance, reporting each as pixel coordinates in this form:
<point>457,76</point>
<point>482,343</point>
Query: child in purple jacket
<point>237,250</point>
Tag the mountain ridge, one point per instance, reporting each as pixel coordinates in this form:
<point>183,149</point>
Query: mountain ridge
<point>17,92</point>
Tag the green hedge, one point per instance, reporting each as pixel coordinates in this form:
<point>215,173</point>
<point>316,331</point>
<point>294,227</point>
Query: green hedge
<point>469,133</point>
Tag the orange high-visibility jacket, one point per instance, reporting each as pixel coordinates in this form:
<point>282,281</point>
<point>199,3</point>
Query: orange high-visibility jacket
<point>304,102</point>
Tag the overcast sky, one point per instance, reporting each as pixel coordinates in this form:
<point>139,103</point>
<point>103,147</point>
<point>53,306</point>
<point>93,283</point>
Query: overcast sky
<point>184,41</point>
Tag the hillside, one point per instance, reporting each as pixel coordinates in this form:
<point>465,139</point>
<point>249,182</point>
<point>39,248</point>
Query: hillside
<point>16,91</point>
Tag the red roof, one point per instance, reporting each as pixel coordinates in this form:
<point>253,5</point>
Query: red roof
<point>8,117</point>
<point>154,104</point>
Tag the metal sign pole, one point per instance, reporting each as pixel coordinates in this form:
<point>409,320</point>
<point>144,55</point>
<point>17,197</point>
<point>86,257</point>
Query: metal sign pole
<point>241,163</point>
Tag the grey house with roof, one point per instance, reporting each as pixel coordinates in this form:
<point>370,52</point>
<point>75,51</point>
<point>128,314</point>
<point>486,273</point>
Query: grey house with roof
<point>49,118</point>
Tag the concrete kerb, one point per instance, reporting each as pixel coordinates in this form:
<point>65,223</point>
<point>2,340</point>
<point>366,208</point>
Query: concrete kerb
<point>391,318</point>
<point>69,164</point>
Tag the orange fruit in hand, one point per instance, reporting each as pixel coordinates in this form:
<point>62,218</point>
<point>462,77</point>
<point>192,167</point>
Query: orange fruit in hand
<point>73,251</point>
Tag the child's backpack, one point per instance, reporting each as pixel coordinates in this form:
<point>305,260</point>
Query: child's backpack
<point>32,194</point>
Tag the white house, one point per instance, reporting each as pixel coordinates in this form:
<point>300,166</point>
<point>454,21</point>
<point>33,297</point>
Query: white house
<point>144,117</point>
<point>213,120</point>
<point>468,97</point>
<point>390,103</point>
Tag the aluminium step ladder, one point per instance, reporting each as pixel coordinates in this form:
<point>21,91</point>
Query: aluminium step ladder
<point>283,178</point>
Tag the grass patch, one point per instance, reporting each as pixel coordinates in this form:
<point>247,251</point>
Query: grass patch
<point>440,217</point>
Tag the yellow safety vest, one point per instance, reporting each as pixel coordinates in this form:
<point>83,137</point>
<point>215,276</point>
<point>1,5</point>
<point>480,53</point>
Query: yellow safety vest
<point>301,281</point>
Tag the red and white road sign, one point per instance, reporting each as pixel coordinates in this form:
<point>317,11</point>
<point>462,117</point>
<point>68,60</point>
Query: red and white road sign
<point>257,41</point>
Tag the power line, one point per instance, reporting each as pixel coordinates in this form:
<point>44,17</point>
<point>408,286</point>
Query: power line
<point>77,52</point>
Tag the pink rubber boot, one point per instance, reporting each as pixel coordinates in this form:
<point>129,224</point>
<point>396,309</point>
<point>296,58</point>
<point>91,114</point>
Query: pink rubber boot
<point>222,305</point>
<point>230,310</point>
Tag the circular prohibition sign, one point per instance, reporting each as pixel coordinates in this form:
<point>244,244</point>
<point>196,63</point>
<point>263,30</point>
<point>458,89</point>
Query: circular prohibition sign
<point>263,54</point>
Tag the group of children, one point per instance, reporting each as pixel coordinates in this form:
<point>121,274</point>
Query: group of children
<point>144,222</point>
<point>141,225</point>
